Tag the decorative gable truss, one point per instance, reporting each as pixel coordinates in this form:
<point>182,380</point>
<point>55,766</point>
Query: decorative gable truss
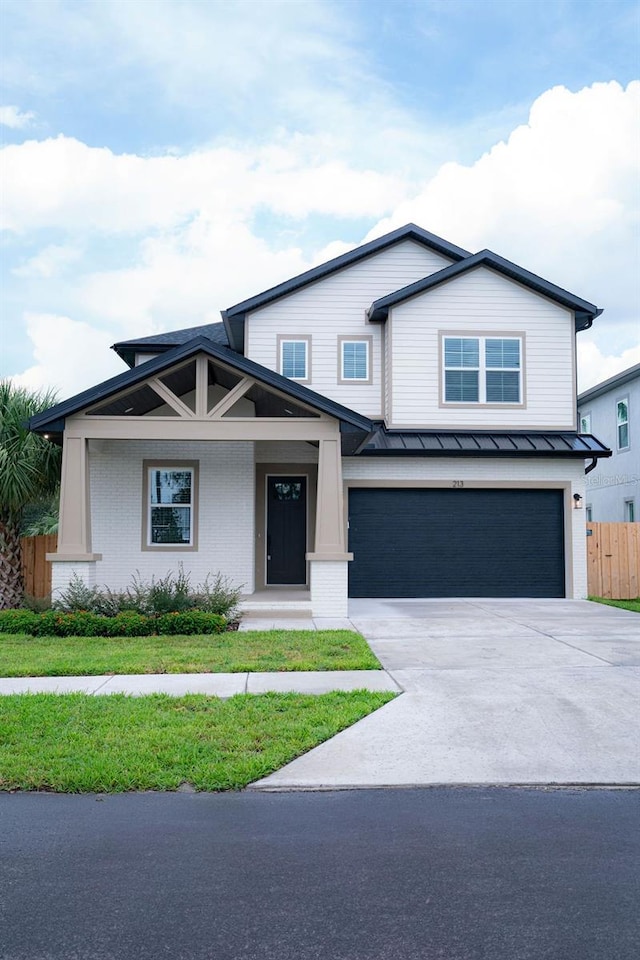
<point>205,394</point>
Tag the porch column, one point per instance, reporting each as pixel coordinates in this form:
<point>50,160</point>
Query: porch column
<point>328,562</point>
<point>74,528</point>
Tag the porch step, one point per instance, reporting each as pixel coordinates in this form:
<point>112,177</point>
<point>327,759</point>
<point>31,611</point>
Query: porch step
<point>299,609</point>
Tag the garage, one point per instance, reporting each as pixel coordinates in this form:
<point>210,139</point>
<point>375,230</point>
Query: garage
<point>417,542</point>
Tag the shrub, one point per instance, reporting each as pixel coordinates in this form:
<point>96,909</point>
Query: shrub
<point>82,623</point>
<point>36,604</point>
<point>18,621</point>
<point>190,622</point>
<point>169,594</point>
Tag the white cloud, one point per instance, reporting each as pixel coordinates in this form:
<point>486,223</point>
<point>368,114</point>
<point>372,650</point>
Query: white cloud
<point>559,197</point>
<point>69,355</point>
<point>14,118</point>
<point>595,366</point>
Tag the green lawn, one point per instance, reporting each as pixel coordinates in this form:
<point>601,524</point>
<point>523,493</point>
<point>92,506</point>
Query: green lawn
<point>633,605</point>
<point>231,652</point>
<point>74,743</point>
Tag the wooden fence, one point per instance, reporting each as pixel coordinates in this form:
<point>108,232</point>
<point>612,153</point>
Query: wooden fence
<point>36,571</point>
<point>613,560</point>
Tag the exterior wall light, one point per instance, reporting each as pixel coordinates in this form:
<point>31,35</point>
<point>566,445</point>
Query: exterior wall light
<point>577,501</point>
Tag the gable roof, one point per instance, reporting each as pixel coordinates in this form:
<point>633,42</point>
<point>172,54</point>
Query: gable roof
<point>52,420</point>
<point>160,342</point>
<point>626,376</point>
<point>585,312</point>
<point>234,317</point>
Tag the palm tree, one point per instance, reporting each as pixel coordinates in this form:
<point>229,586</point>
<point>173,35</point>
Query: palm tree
<point>29,470</point>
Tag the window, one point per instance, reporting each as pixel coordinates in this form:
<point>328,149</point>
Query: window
<point>622,416</point>
<point>170,491</point>
<point>585,423</point>
<point>353,360</point>
<point>629,511</point>
<point>482,370</point>
<point>294,358</point>
<point>589,513</point>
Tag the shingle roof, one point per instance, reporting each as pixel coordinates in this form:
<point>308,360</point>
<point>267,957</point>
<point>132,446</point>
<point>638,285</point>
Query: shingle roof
<point>447,443</point>
<point>159,342</point>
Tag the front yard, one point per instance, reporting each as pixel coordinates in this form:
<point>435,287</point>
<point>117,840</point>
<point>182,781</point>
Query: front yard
<point>75,743</point>
<point>633,605</point>
<point>231,652</point>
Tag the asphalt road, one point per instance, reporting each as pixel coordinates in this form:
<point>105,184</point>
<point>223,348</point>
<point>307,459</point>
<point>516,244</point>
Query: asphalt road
<point>446,873</point>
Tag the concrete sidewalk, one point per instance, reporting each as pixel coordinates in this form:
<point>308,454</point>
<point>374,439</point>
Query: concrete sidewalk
<point>212,684</point>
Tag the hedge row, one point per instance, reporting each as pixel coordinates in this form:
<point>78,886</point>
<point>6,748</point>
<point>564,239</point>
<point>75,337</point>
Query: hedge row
<point>53,623</point>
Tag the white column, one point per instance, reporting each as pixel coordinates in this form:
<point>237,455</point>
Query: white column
<point>328,562</point>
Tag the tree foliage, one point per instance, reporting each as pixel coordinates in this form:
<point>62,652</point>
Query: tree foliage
<point>29,471</point>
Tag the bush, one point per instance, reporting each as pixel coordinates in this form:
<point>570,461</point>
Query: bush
<point>190,622</point>
<point>81,623</point>
<point>169,594</point>
<point>18,621</point>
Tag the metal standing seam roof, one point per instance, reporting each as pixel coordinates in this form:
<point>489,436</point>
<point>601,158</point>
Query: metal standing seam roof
<point>423,443</point>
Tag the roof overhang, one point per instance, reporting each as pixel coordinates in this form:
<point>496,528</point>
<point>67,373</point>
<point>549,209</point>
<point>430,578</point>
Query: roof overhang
<point>52,421</point>
<point>584,312</point>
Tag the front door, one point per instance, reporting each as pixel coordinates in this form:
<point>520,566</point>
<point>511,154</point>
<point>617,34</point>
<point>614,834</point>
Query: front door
<point>286,529</point>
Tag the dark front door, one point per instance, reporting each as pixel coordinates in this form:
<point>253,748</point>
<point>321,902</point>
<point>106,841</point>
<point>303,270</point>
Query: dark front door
<point>286,529</point>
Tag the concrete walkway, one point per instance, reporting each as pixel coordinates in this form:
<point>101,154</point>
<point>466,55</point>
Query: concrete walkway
<point>497,691</point>
<point>213,684</point>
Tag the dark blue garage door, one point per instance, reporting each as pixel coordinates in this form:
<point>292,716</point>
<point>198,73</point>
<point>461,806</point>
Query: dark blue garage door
<point>456,543</point>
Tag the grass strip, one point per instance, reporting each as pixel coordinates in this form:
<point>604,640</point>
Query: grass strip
<point>231,652</point>
<point>75,743</point>
<point>633,605</point>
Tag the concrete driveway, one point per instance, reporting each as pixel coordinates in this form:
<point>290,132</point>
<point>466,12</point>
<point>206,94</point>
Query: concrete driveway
<point>496,691</point>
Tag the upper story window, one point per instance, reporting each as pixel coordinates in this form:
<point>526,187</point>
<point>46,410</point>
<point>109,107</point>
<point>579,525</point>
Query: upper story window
<point>622,417</point>
<point>585,423</point>
<point>170,492</point>
<point>483,370</point>
<point>294,357</point>
<point>354,360</point>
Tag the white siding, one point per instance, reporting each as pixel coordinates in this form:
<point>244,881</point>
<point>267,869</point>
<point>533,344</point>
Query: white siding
<point>226,515</point>
<point>336,307</point>
<point>488,471</point>
<point>482,301</point>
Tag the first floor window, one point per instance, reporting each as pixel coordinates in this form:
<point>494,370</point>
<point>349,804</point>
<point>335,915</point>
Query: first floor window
<point>629,511</point>
<point>585,423</point>
<point>622,415</point>
<point>294,360</point>
<point>171,492</point>
<point>482,370</point>
<point>589,512</point>
<point>355,360</point>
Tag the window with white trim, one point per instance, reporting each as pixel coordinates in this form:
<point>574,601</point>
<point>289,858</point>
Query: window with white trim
<point>630,511</point>
<point>585,423</point>
<point>354,359</point>
<point>294,359</point>
<point>589,513</point>
<point>482,370</point>
<point>622,420</point>
<point>170,506</point>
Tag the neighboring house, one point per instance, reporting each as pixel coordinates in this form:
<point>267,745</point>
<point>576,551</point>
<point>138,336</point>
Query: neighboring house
<point>397,422</point>
<point>612,410</point>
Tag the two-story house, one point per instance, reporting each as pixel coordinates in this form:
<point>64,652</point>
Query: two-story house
<point>397,422</point>
<point>612,410</point>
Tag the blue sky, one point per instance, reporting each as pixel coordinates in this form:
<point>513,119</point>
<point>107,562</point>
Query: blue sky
<point>163,160</point>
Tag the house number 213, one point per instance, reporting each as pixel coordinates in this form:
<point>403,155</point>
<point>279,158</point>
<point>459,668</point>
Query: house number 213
<point>458,483</point>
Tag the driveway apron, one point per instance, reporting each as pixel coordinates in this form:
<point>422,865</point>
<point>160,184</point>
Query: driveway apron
<point>495,692</point>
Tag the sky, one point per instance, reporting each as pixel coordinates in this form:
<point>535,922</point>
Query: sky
<point>162,160</point>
